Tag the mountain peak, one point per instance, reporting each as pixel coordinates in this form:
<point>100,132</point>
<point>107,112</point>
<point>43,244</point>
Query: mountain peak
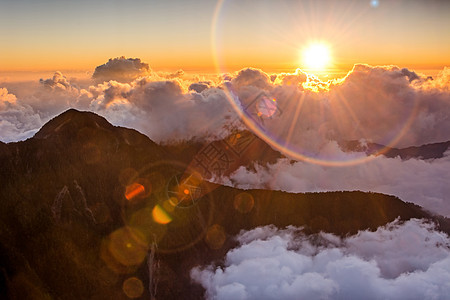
<point>70,121</point>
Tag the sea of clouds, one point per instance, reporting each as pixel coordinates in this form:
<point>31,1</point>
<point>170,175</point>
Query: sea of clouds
<point>379,104</point>
<point>398,261</point>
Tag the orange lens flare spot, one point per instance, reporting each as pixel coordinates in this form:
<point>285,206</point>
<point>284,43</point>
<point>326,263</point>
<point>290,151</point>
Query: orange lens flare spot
<point>160,215</point>
<point>186,191</point>
<point>243,202</point>
<point>215,237</point>
<point>125,245</point>
<point>134,190</point>
<point>133,287</point>
<point>111,262</point>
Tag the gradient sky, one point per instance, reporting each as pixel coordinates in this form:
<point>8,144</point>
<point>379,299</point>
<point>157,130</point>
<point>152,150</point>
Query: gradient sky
<point>199,34</point>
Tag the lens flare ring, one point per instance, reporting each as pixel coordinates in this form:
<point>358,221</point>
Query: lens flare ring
<point>257,125</point>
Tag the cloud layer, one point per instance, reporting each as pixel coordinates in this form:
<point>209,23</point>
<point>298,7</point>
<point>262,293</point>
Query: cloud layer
<point>399,261</point>
<point>387,105</point>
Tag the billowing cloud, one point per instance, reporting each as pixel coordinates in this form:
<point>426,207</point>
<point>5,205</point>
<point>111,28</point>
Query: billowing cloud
<point>398,261</point>
<point>6,97</point>
<point>379,104</point>
<point>163,109</point>
<point>121,69</point>
<point>386,105</point>
<point>58,81</point>
<point>34,103</point>
<point>424,183</point>
<point>250,77</point>
<point>17,121</point>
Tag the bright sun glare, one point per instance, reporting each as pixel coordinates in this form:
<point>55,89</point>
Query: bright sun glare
<point>316,56</point>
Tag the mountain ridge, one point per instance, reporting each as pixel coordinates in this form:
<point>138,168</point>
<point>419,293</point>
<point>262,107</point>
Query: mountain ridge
<point>425,151</point>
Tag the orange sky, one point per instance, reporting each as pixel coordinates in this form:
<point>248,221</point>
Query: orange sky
<point>230,34</point>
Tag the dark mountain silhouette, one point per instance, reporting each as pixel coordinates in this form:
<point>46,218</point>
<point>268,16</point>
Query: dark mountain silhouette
<point>257,152</point>
<point>428,151</point>
<point>85,206</point>
<point>261,153</point>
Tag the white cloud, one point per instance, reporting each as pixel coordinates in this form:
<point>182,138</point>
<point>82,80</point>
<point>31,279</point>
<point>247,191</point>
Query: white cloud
<point>399,261</point>
<point>17,121</point>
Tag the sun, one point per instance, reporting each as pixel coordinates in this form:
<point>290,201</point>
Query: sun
<point>316,56</point>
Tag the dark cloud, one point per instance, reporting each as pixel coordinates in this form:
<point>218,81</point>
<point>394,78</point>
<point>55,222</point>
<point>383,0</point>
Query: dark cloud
<point>199,86</point>
<point>177,74</point>
<point>121,69</point>
<point>410,74</point>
